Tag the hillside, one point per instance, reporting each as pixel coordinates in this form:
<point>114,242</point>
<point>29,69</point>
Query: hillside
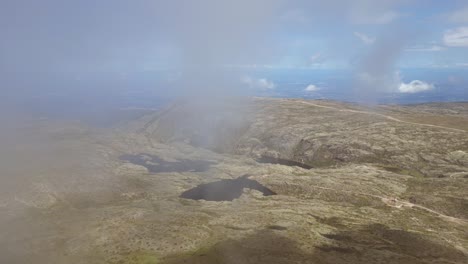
<point>247,181</point>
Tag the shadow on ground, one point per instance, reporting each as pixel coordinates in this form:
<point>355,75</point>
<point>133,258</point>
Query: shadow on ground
<point>372,244</point>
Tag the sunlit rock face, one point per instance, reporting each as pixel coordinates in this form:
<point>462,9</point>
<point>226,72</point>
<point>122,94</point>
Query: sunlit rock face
<point>326,182</point>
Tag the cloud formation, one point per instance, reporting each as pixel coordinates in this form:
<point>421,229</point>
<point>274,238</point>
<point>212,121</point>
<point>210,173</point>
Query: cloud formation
<point>456,37</point>
<point>260,83</point>
<point>377,71</point>
<point>426,48</point>
<point>415,86</point>
<point>364,38</point>
<point>311,88</point>
<point>317,59</point>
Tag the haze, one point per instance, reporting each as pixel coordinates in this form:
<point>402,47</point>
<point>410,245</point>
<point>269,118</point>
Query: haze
<point>243,131</point>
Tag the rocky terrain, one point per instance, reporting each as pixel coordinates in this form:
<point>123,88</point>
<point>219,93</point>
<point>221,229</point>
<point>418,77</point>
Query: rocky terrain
<point>242,181</point>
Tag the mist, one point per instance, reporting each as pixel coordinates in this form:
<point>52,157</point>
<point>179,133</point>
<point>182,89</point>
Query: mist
<point>86,61</point>
<point>89,62</point>
<point>377,72</point>
<point>83,83</point>
<point>60,51</point>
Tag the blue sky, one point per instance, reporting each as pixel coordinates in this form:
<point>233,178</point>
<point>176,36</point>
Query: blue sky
<point>144,34</point>
<point>199,40</point>
<point>427,33</point>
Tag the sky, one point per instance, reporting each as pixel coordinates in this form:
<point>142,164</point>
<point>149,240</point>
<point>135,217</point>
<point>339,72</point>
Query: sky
<point>199,39</point>
<point>136,35</point>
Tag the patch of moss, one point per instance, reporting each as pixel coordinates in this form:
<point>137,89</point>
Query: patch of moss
<point>142,258</point>
<point>205,254</point>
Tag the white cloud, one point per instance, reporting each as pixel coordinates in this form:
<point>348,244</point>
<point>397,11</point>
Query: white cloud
<point>415,86</point>
<point>392,83</point>
<point>426,48</point>
<point>265,84</point>
<point>317,58</point>
<point>261,83</point>
<point>364,38</point>
<point>460,16</point>
<point>456,37</point>
<point>311,88</point>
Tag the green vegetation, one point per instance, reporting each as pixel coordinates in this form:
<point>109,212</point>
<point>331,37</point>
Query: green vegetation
<point>141,258</point>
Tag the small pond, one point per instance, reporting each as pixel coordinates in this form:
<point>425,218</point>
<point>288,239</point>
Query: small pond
<point>225,190</point>
<point>157,165</point>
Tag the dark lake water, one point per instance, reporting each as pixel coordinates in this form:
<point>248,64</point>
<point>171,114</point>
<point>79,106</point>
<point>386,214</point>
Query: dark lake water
<point>157,165</point>
<point>225,190</point>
